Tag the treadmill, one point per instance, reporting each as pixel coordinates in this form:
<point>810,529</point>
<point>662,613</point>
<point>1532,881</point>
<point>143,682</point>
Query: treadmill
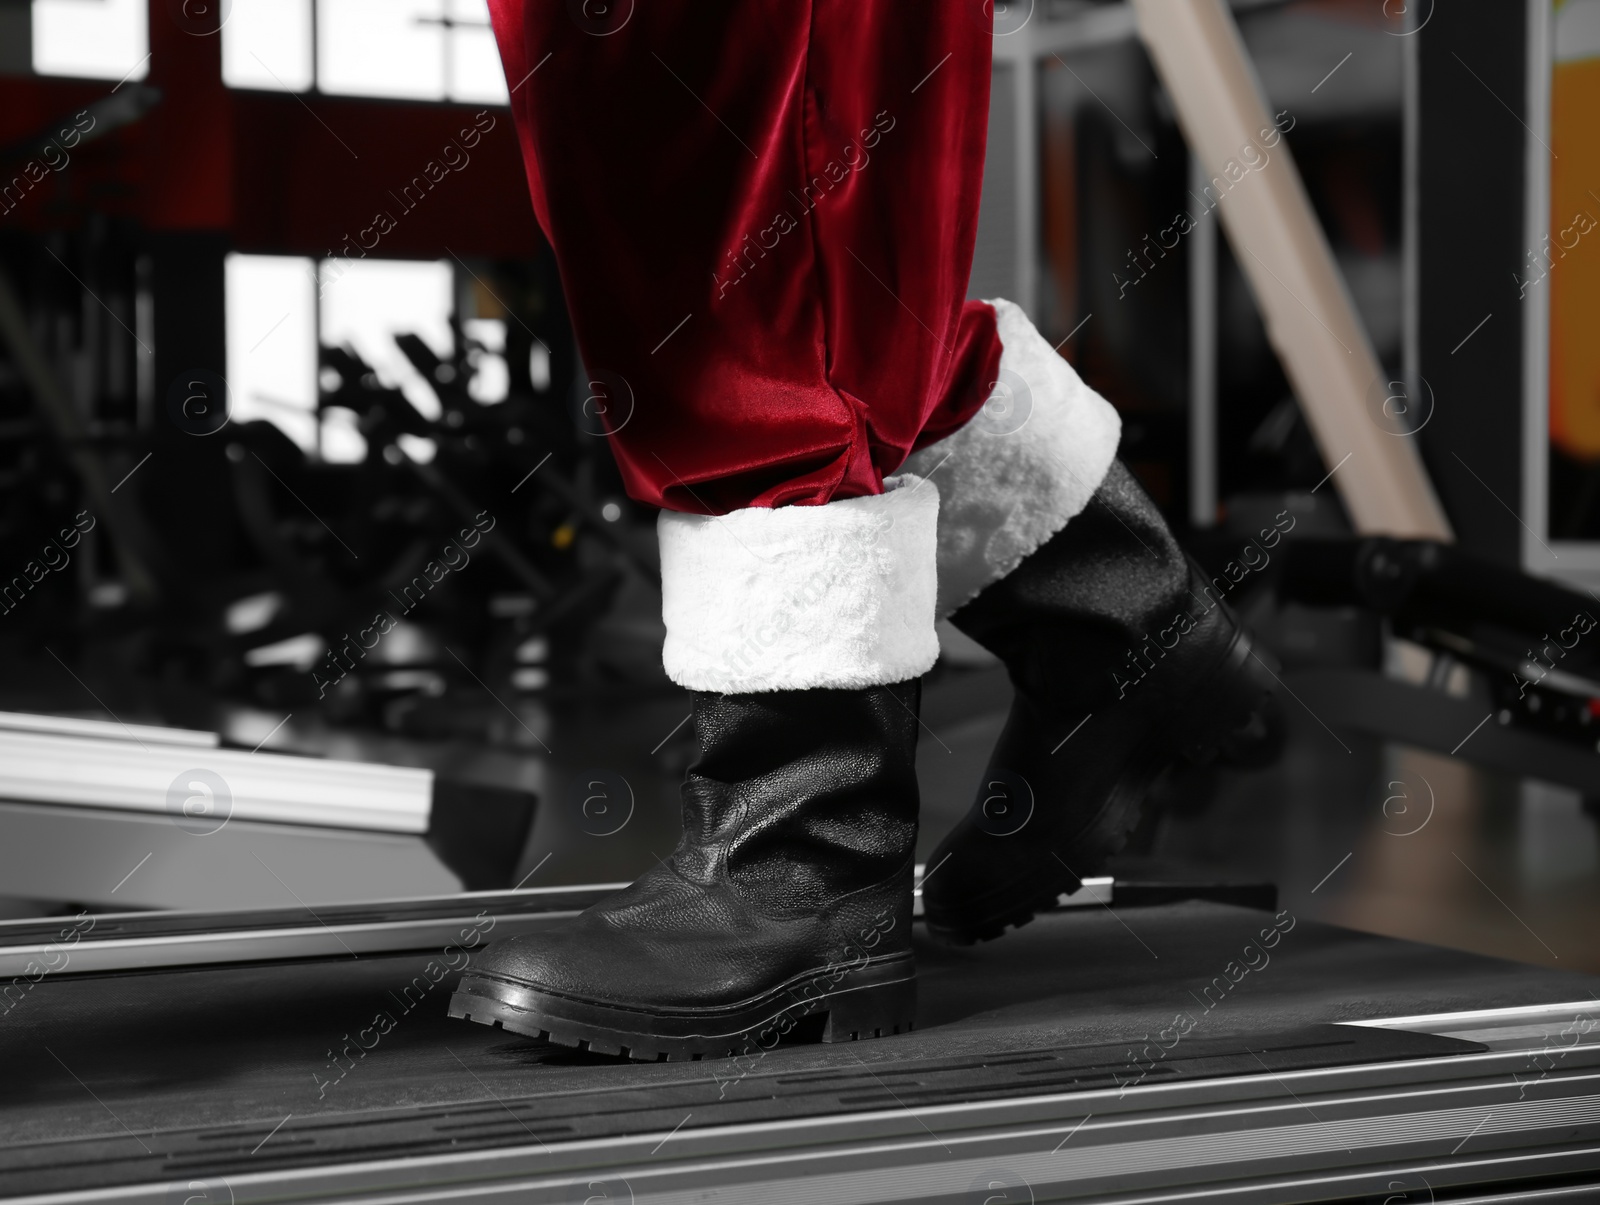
<point>1139,1043</point>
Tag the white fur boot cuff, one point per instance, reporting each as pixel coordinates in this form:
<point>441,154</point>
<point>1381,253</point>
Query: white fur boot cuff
<point>799,597</point>
<point>1022,466</point>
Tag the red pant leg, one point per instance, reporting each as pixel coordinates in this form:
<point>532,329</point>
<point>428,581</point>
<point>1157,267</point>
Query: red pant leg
<point>764,214</point>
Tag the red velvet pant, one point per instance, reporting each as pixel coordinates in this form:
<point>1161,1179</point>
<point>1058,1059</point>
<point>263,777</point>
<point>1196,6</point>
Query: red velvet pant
<point>764,213</point>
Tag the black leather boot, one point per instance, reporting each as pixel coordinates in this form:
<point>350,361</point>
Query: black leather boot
<point>1124,659</point>
<point>788,896</point>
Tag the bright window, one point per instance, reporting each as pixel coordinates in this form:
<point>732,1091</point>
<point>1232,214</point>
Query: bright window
<point>473,71</point>
<point>381,48</point>
<point>406,49</point>
<point>267,44</point>
<point>91,39</point>
<point>365,304</point>
<point>491,375</point>
<point>271,337</point>
<point>280,307</point>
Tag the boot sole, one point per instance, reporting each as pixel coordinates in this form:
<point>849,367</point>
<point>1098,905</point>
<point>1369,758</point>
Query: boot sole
<point>874,999</point>
<point>1224,701</point>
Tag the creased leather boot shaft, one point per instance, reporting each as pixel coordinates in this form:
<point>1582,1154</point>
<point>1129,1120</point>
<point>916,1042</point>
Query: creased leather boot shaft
<point>789,893</point>
<point>1064,620</point>
<point>1122,663</point>
<point>801,797</point>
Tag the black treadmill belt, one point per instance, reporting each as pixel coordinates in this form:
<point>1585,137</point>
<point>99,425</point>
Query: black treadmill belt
<point>1079,1068</point>
<point>148,1077</point>
<point>614,1111</point>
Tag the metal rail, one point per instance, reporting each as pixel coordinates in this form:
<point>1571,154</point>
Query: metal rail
<point>1361,1132</point>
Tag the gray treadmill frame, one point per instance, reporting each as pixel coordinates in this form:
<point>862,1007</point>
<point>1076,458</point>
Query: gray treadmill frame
<point>1411,1127</point>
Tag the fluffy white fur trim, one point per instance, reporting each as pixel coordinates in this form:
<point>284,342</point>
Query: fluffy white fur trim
<point>797,597</point>
<point>1027,462</point>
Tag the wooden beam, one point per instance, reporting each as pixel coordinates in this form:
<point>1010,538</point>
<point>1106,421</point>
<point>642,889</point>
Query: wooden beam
<point>1283,253</point>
